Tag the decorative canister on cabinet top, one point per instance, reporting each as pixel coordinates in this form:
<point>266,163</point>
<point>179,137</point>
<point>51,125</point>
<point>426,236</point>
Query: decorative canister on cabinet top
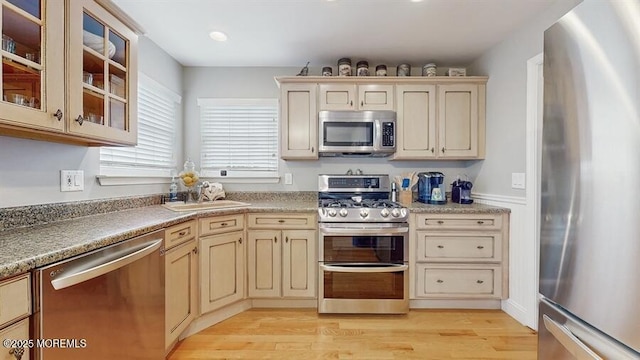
<point>381,70</point>
<point>362,68</point>
<point>403,70</point>
<point>327,71</point>
<point>429,70</point>
<point>344,67</point>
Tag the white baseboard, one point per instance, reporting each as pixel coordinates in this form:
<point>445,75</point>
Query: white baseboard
<point>516,311</point>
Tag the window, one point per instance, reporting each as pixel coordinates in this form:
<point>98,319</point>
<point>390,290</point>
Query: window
<point>239,138</point>
<point>155,154</point>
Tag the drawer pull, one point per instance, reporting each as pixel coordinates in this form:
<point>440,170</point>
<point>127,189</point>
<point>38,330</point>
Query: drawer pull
<point>440,246</point>
<point>224,224</point>
<point>182,233</point>
<point>17,352</point>
<point>480,222</point>
<point>439,281</point>
<point>479,281</point>
<point>440,222</point>
<point>480,247</point>
<point>281,221</point>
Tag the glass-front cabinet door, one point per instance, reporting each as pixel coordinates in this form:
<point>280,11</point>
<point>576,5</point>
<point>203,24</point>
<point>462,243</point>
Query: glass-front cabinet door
<point>32,64</point>
<point>102,75</point>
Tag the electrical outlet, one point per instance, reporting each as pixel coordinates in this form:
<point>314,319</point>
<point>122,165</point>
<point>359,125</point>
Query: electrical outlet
<point>517,180</point>
<point>288,179</point>
<point>71,180</point>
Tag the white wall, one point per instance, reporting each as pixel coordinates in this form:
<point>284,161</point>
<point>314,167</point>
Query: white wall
<point>30,170</point>
<point>258,82</point>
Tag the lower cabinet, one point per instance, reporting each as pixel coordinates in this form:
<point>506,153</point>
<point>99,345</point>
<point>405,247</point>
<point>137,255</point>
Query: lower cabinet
<point>222,261</point>
<point>460,256</point>
<point>282,262</point>
<point>15,307</point>
<point>181,289</point>
<point>222,270</point>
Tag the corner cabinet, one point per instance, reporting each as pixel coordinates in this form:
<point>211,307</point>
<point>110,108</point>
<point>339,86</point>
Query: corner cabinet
<point>69,72</point>
<point>438,118</point>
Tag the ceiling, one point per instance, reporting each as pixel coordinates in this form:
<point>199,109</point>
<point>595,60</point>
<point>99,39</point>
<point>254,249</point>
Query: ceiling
<point>292,32</point>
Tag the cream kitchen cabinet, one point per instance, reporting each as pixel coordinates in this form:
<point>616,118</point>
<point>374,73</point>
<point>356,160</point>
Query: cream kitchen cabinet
<point>460,256</point>
<point>222,261</point>
<point>356,97</point>
<point>298,121</point>
<point>72,76</point>
<point>440,121</point>
<point>15,308</point>
<point>281,253</point>
<point>181,279</point>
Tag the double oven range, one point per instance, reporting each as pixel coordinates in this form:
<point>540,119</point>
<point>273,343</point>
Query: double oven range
<point>363,246</point>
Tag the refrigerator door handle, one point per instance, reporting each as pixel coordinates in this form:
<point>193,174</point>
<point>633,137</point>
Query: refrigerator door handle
<point>569,341</point>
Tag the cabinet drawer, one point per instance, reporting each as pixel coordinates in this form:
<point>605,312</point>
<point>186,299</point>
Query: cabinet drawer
<point>180,233</point>
<point>221,224</point>
<point>458,281</point>
<point>459,246</point>
<point>282,221</point>
<point>459,222</point>
<point>17,331</point>
<point>15,299</point>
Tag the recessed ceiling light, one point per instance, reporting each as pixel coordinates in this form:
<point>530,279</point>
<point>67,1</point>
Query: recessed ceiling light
<point>417,0</point>
<point>218,36</point>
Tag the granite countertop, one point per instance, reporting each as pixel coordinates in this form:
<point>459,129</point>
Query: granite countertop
<point>29,247</point>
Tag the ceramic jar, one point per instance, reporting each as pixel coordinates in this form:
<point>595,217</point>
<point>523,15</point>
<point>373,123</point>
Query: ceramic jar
<point>344,67</point>
<point>327,71</point>
<point>362,68</point>
<point>429,70</point>
<point>403,70</point>
<point>381,70</point>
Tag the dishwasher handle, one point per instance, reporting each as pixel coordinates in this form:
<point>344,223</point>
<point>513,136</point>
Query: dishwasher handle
<point>76,276</point>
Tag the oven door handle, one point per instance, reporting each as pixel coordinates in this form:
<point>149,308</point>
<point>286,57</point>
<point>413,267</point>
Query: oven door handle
<point>365,231</point>
<point>382,268</point>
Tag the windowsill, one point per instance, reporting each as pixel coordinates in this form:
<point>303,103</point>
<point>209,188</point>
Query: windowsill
<point>112,180</point>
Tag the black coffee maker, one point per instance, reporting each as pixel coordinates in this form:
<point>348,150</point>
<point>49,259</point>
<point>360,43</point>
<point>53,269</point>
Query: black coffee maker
<point>431,188</point>
<point>461,192</point>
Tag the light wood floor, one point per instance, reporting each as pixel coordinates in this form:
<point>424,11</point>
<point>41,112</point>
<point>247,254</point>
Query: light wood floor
<point>302,334</point>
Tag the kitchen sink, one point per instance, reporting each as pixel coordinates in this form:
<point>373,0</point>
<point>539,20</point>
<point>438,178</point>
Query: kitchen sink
<point>205,205</point>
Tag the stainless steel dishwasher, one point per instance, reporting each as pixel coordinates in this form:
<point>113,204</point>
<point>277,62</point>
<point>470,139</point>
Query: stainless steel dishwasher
<point>106,304</point>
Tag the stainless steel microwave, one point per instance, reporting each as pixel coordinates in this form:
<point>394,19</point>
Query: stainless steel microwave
<point>365,133</point>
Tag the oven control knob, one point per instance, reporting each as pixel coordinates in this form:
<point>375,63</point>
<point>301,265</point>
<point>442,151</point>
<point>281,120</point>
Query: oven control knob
<point>364,213</point>
<point>384,213</point>
<point>332,212</point>
<point>395,212</point>
<point>343,212</point>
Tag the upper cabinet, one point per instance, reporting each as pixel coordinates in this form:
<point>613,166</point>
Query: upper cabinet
<point>69,72</point>
<point>356,97</point>
<point>438,118</point>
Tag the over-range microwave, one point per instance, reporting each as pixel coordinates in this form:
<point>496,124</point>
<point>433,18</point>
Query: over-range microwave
<point>364,133</point>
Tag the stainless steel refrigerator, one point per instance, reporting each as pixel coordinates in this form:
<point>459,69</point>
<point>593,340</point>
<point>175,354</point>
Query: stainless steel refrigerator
<point>590,189</point>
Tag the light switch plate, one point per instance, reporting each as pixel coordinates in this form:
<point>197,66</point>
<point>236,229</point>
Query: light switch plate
<point>288,179</point>
<point>71,180</point>
<point>517,180</point>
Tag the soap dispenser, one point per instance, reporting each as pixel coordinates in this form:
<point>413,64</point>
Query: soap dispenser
<point>173,189</point>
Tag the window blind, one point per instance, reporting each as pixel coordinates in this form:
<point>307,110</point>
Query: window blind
<point>155,152</point>
<point>239,136</point>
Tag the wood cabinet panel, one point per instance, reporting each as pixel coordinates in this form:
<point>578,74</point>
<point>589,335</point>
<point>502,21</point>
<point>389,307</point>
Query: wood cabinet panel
<point>281,221</point>
<point>458,281</point>
<point>459,221</point>
<point>298,121</point>
<point>222,268</point>
<point>17,331</point>
<point>180,233</point>
<point>299,263</point>
<point>416,122</point>
<point>459,246</point>
<point>181,289</point>
<point>264,263</point>
<point>458,120</point>
<point>15,298</point>
<point>221,224</point>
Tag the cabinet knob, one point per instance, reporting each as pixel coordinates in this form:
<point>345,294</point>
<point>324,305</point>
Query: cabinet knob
<point>479,281</point>
<point>443,149</point>
<point>275,238</point>
<point>224,224</point>
<point>58,115</point>
<point>182,233</point>
<point>480,247</point>
<point>362,103</point>
<point>351,103</point>
<point>480,222</point>
<point>195,250</point>
<point>80,119</point>
<point>432,150</point>
<point>440,246</point>
<point>439,281</point>
<point>312,149</point>
<point>440,222</point>
<point>17,352</point>
<point>286,239</point>
<point>240,240</point>
<point>281,221</point>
